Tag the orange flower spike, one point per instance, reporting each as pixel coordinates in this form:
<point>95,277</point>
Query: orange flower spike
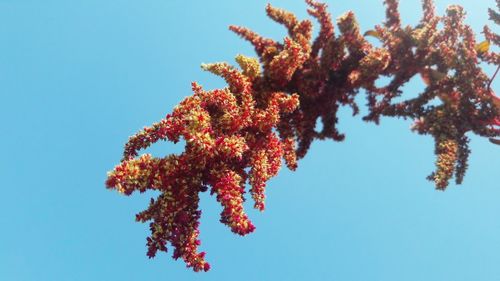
<point>229,190</point>
<point>250,66</point>
<point>429,10</point>
<point>393,20</point>
<point>351,35</point>
<point>240,84</point>
<point>288,19</point>
<point>300,32</point>
<point>446,151</point>
<point>370,68</point>
<point>134,174</point>
<point>264,47</point>
<point>289,154</point>
<point>274,151</point>
<point>158,131</point>
<point>265,163</point>
<point>284,65</point>
<point>236,80</point>
<point>258,177</point>
<point>319,11</point>
<point>175,214</point>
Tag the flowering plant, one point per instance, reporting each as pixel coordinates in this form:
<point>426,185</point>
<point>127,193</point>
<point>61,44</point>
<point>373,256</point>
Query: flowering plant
<point>269,111</point>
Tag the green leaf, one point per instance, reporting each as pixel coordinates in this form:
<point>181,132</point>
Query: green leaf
<point>437,75</point>
<point>495,141</point>
<point>483,47</point>
<point>428,75</point>
<point>373,33</point>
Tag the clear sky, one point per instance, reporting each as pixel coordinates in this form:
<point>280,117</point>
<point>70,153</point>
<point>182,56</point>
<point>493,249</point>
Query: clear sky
<point>78,77</point>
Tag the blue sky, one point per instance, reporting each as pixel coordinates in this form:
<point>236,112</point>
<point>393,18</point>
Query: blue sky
<point>78,77</point>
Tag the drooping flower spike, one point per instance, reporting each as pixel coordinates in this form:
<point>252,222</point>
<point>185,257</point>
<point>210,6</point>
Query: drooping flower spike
<point>239,135</point>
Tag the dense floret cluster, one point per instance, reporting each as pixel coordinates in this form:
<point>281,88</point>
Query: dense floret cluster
<point>268,112</point>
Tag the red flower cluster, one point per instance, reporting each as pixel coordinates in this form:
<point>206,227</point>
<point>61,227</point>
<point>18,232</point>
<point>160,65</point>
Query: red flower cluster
<point>269,111</point>
<point>229,139</point>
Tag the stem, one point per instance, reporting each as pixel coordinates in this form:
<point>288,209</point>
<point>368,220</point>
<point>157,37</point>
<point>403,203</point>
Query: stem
<point>493,78</point>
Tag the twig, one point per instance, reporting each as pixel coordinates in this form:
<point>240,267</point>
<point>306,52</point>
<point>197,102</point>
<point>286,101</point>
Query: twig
<point>493,78</point>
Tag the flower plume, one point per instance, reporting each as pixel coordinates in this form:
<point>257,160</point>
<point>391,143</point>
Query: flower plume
<point>241,134</point>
